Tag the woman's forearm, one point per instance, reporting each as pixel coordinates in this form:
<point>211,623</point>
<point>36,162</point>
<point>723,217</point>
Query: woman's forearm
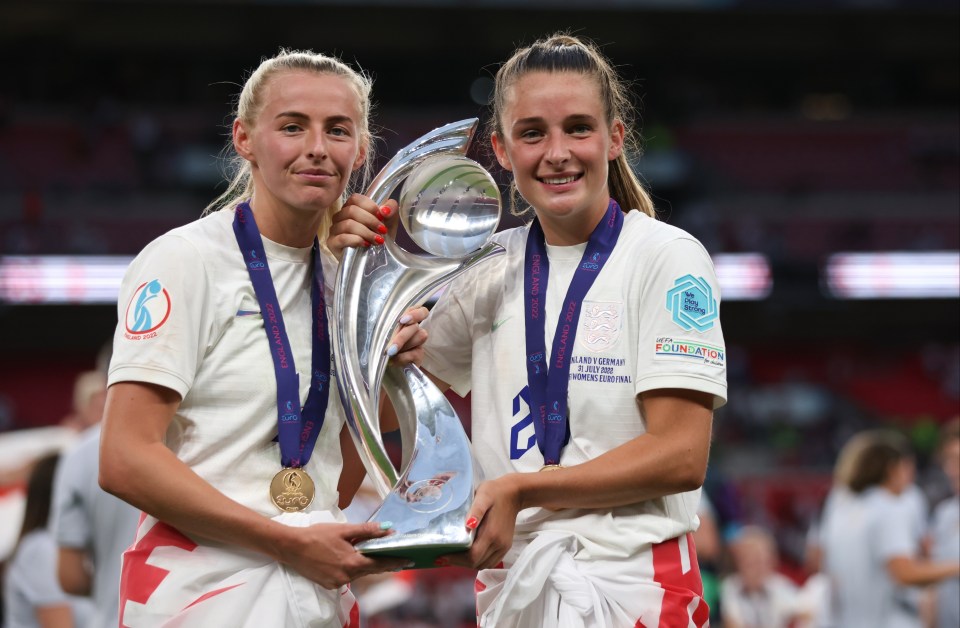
<point>137,467</point>
<point>634,472</point>
<point>154,480</point>
<point>72,571</point>
<point>670,458</point>
<point>909,571</point>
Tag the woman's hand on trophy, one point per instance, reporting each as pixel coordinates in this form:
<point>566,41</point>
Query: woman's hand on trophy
<point>406,346</point>
<point>361,223</point>
<point>493,515</point>
<point>325,553</point>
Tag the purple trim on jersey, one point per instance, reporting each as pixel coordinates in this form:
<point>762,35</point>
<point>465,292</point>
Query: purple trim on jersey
<point>549,383</point>
<point>297,428</point>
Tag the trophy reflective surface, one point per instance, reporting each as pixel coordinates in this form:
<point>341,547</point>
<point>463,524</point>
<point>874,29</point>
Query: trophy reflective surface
<point>450,207</point>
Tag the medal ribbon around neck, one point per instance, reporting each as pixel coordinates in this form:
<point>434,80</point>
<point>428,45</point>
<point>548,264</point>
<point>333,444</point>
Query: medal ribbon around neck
<point>297,429</point>
<point>548,384</point>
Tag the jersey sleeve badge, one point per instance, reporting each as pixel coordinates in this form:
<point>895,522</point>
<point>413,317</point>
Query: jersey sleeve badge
<point>692,305</point>
<point>148,309</point>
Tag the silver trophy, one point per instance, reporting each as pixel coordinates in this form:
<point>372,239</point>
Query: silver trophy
<point>449,206</point>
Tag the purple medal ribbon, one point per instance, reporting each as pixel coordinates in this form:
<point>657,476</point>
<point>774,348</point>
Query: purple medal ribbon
<point>297,429</point>
<point>548,384</point>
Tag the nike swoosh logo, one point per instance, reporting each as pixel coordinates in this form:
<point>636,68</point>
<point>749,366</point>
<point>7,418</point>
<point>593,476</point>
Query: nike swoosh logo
<point>499,324</point>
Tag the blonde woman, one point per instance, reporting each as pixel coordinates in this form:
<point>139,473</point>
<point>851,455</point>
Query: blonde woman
<point>220,421</point>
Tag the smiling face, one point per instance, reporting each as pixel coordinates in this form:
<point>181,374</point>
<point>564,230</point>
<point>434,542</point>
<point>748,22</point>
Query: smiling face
<point>303,144</point>
<point>558,144</point>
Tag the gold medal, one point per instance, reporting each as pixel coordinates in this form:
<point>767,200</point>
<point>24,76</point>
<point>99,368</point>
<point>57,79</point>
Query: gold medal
<point>551,467</point>
<point>292,490</point>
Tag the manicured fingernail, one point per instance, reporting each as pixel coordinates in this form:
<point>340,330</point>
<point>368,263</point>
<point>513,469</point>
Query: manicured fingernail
<point>382,228</point>
<point>393,350</point>
<point>366,244</point>
<point>385,211</point>
<point>472,523</point>
<point>386,525</point>
<point>406,318</point>
<point>378,239</point>
<point>441,562</point>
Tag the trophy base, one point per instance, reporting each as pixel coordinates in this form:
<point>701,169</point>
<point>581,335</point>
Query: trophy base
<point>422,557</point>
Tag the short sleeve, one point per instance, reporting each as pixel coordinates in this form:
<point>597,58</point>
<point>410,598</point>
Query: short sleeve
<point>70,520</point>
<point>38,573</point>
<point>448,350</point>
<point>894,530</point>
<point>680,341</point>
<point>164,314</point>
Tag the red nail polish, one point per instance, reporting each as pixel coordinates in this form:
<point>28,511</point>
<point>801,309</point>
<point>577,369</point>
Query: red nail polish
<point>385,211</point>
<point>366,244</point>
<point>441,562</point>
<point>382,228</point>
<point>378,239</point>
<point>472,523</point>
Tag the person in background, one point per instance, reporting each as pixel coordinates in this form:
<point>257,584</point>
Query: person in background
<point>20,450</point>
<point>871,554</point>
<point>89,394</point>
<point>92,527</point>
<point>817,587</point>
<point>945,530</point>
<point>756,595</point>
<point>220,423</point>
<point>32,596</point>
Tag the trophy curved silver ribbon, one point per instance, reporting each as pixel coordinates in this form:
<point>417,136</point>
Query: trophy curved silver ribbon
<point>449,206</point>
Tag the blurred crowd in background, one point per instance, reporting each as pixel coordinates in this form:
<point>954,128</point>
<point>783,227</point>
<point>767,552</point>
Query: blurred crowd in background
<point>774,128</point>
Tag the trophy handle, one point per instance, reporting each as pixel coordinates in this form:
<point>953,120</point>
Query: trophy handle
<point>374,287</point>
<point>379,287</point>
<point>453,138</point>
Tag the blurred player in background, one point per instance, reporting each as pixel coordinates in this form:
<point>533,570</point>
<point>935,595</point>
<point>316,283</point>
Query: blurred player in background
<point>91,526</point>
<point>755,595</point>
<point>945,529</point>
<point>32,595</point>
<point>871,552</point>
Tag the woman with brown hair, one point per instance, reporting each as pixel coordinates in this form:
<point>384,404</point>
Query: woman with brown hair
<point>32,595</point>
<point>871,555</point>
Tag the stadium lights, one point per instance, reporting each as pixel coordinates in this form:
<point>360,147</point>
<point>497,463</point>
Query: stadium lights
<point>893,275</point>
<point>61,279</point>
<point>80,279</point>
<point>743,276</point>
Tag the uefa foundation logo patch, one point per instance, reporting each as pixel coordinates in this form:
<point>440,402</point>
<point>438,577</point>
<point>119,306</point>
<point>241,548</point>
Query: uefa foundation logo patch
<point>147,311</point>
<point>692,304</point>
<point>689,350</point>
